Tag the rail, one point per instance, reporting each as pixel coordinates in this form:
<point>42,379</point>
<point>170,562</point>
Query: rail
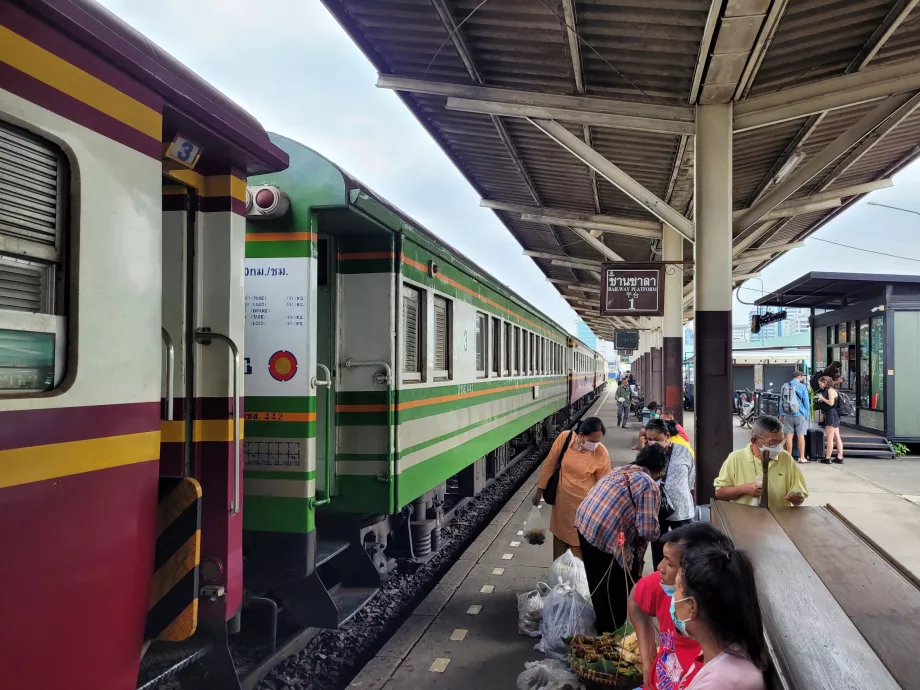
<point>330,415</point>
<point>204,336</point>
<point>170,369</point>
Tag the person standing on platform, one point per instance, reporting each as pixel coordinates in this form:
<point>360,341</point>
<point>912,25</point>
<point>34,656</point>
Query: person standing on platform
<point>623,396</point>
<point>582,460</point>
<point>741,476</point>
<point>829,398</point>
<point>796,408</point>
<point>670,666</point>
<point>615,523</point>
<point>715,603</point>
<point>679,483</point>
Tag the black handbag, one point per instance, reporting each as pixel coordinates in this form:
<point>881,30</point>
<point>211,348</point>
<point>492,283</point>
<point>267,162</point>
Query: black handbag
<point>552,486</point>
<point>666,508</point>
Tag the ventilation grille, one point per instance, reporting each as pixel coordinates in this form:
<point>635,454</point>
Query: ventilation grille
<point>29,188</point>
<point>411,329</point>
<point>21,287</point>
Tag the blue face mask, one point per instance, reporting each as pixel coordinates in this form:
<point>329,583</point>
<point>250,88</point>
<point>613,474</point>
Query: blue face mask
<point>679,625</point>
<point>669,589</point>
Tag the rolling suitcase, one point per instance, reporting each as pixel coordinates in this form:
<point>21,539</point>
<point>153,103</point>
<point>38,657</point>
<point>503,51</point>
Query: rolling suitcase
<point>814,444</point>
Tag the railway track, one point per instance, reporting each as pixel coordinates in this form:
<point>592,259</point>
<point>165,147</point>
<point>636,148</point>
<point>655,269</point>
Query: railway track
<point>314,659</point>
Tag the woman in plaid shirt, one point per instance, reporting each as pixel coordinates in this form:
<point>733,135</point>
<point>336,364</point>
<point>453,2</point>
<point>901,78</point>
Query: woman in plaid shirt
<point>615,523</point>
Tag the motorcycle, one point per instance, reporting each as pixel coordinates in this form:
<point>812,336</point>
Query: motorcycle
<point>746,413</point>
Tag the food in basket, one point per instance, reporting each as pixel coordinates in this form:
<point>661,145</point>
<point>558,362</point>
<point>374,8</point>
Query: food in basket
<point>606,656</point>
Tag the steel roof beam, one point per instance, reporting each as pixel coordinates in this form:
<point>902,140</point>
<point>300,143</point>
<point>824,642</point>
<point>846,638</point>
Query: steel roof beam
<point>588,263</point>
<point>583,117</point>
<point>764,40</point>
<point>615,176</point>
<point>790,210</point>
<point>564,215</point>
<point>813,166</point>
<point>592,225</point>
<point>895,17</point>
<point>827,94</point>
<point>537,99</point>
<point>765,253</point>
<point>709,30</point>
<point>563,262</point>
<point>599,245</point>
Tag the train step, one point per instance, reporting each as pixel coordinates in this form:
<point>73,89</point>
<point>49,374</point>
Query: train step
<point>164,660</point>
<point>344,581</point>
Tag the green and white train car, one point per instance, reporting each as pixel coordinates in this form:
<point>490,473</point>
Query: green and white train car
<point>388,379</point>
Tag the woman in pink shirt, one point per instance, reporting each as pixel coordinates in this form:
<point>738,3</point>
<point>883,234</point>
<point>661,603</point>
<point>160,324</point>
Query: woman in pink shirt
<point>715,603</point>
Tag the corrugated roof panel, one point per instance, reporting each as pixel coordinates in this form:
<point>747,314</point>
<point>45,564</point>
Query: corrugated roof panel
<point>817,39</point>
<point>754,154</point>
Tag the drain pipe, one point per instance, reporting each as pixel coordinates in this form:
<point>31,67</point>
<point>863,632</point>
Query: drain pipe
<point>385,376</point>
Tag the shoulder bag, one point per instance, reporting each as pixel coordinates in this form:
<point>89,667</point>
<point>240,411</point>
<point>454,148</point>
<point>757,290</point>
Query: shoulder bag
<point>552,486</point>
<point>666,508</point>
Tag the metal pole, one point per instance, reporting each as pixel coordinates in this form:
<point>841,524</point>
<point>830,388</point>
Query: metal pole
<point>713,299</point>
<point>672,249</point>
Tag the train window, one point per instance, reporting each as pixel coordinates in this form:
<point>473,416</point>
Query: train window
<point>413,333</point>
<point>322,262</point>
<point>517,350</point>
<point>482,337</point>
<point>525,357</point>
<point>443,340</point>
<point>34,189</point>
<point>509,343</point>
<point>535,353</point>
<point>496,346</point>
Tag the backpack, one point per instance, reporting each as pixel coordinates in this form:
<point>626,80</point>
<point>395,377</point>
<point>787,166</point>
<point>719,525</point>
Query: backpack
<point>789,400</point>
<point>845,406</point>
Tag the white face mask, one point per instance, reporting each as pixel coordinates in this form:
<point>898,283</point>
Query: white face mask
<point>773,450</point>
<point>590,445</point>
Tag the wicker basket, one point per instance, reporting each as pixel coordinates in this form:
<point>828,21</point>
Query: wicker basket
<point>595,679</point>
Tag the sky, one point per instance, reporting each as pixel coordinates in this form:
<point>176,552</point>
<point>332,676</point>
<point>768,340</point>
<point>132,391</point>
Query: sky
<point>290,64</point>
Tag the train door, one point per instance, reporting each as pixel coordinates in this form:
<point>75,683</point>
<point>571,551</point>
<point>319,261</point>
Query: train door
<point>326,351</point>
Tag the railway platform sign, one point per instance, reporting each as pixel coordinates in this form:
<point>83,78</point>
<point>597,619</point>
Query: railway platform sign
<point>633,289</point>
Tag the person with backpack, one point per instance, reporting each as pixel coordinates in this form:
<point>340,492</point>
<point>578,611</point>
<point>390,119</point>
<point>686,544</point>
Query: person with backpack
<point>795,406</point>
<point>575,463</point>
<point>836,404</point>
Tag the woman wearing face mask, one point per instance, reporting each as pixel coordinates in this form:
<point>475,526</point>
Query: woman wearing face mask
<point>673,661</point>
<point>615,523</point>
<point>679,483</point>
<point>741,477</point>
<point>582,460</point>
<point>715,603</point>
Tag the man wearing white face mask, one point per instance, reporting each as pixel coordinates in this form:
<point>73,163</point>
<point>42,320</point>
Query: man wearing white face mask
<point>741,476</point>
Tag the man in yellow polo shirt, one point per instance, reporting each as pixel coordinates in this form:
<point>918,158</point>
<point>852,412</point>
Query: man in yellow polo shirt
<point>742,472</point>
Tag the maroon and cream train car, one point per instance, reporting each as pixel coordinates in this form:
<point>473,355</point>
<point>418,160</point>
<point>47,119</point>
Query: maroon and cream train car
<point>584,376</point>
<point>122,201</point>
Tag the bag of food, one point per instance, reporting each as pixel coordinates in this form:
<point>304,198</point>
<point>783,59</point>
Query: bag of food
<point>568,569</point>
<point>565,613</point>
<point>530,610</point>
<point>547,675</point>
<point>536,526</point>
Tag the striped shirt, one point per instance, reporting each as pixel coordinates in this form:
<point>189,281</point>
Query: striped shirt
<point>627,501</point>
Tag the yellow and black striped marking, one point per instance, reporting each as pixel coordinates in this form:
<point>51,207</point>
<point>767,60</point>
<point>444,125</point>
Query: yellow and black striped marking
<point>173,611</point>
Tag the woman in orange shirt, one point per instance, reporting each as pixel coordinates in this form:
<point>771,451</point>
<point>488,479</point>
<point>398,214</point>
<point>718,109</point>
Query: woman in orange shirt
<point>585,462</point>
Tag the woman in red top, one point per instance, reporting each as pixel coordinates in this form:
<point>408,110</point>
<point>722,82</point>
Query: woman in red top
<point>673,665</point>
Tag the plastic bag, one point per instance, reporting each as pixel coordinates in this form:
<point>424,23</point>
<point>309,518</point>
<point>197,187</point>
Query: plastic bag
<point>530,610</point>
<point>547,675</point>
<point>568,569</point>
<point>565,613</point>
<point>536,526</point>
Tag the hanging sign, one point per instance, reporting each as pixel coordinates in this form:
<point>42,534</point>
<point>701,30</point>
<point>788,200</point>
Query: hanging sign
<point>626,341</point>
<point>632,289</point>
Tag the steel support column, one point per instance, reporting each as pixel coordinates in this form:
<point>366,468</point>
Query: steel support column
<point>672,249</point>
<point>713,301</point>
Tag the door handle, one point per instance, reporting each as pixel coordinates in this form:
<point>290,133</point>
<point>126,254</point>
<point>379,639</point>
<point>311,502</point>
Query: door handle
<point>204,336</point>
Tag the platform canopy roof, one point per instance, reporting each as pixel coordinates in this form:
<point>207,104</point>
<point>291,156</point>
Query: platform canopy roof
<point>833,290</point>
<point>574,119</point>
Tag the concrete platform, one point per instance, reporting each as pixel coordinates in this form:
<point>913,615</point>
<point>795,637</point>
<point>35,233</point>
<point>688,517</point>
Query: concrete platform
<point>463,636</point>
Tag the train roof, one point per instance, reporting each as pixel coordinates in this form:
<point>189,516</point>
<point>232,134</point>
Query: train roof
<point>186,95</point>
<point>350,194</point>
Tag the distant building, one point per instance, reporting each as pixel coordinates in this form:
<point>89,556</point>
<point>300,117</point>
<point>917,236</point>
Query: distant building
<point>741,334</point>
<point>584,333</point>
<point>796,322</point>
